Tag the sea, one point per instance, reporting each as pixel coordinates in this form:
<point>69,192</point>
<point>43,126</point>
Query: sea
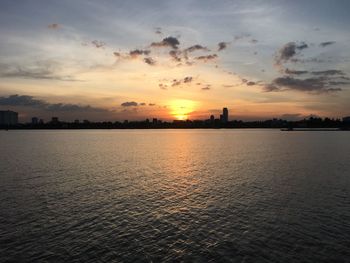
<point>192,195</point>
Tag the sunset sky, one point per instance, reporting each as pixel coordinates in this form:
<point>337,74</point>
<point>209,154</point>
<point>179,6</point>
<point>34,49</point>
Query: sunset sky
<point>116,60</point>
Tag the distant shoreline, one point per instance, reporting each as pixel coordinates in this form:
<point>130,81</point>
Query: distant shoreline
<point>187,128</point>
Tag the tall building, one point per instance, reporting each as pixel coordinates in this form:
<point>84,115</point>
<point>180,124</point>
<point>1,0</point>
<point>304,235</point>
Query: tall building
<point>224,115</point>
<point>35,120</point>
<point>8,117</point>
<point>212,119</point>
<point>54,120</point>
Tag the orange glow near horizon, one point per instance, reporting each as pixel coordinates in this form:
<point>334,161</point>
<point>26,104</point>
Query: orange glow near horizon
<point>181,109</point>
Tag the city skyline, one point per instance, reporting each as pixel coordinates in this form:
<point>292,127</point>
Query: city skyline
<point>117,60</point>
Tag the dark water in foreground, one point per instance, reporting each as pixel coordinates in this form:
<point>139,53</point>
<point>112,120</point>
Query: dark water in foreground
<point>174,195</point>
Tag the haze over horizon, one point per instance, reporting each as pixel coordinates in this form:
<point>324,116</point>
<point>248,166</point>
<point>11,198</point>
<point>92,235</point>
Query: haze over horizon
<point>116,60</point>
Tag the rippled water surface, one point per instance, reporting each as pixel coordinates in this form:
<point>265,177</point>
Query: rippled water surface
<point>174,195</point>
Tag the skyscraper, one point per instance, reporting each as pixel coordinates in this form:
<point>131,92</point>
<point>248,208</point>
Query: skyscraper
<point>8,117</point>
<point>224,115</point>
<point>35,120</point>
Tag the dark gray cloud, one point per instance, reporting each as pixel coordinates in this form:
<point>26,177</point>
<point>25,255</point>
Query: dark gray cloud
<point>312,85</point>
<point>175,54</point>
<point>330,72</point>
<point>222,45</point>
<point>310,60</point>
<point>129,104</point>
<point>241,36</point>
<point>295,72</point>
<point>206,58</point>
<point>38,71</point>
<point>288,51</point>
<point>117,54</point>
<point>251,83</point>
<point>151,104</point>
<point>178,82</point>
<point>142,104</point>
<point>328,43</point>
<point>301,46</point>
<point>167,42</point>
<point>54,26</point>
<point>150,61</point>
<point>21,100</point>
<point>138,52</point>
<point>73,107</point>
<point>30,101</point>
<point>196,47</point>
<point>98,44</point>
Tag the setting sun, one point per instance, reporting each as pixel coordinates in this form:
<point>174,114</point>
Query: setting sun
<point>181,109</point>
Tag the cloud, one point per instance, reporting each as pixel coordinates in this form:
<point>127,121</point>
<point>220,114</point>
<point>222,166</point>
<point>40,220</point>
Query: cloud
<point>163,86</point>
<point>175,54</point>
<point>309,60</point>
<point>330,72</point>
<point>253,41</point>
<point>129,104</point>
<point>311,85</point>
<point>158,30</point>
<point>206,88</point>
<point>30,101</point>
<point>295,72</point>
<point>302,46</point>
<point>167,42</point>
<point>117,54</point>
<point>73,107</point>
<point>21,100</point>
<point>250,83</point>
<point>137,52</point>
<point>288,51</point>
<point>54,26</point>
<point>241,36</point>
<point>206,58</point>
<point>222,45</point>
<point>150,61</point>
<point>142,104</point>
<point>41,70</point>
<point>178,82</point>
<point>328,43</point>
<point>98,44</point>
<point>195,47</point>
<point>151,104</point>
<point>187,79</point>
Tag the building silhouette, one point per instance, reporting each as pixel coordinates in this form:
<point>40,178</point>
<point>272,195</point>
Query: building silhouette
<point>225,115</point>
<point>55,120</point>
<point>8,118</point>
<point>35,120</point>
<point>346,119</point>
<point>212,119</point>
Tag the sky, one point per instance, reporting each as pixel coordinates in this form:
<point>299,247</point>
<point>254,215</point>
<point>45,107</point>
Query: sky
<point>115,60</point>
